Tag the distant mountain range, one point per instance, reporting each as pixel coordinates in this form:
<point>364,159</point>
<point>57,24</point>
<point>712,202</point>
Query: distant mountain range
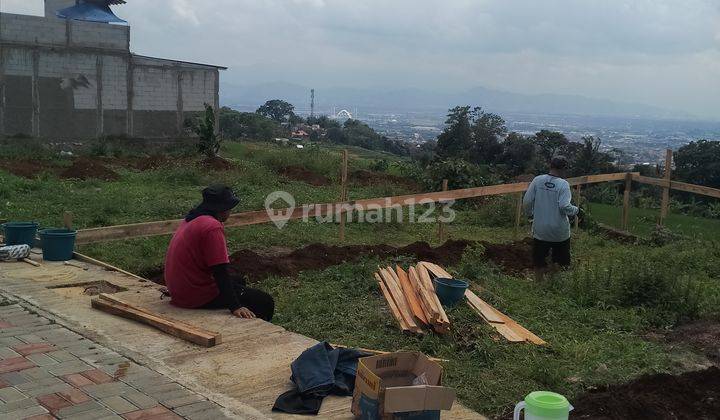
<point>418,100</point>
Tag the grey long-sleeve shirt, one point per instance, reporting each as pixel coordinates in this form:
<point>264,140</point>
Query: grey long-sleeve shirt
<point>548,201</point>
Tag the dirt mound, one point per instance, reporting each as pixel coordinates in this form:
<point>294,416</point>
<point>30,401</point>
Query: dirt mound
<point>298,173</point>
<point>693,395</point>
<point>319,256</point>
<point>86,168</point>
<point>702,335</point>
<point>217,164</point>
<point>364,177</point>
<point>513,258</point>
<point>27,168</point>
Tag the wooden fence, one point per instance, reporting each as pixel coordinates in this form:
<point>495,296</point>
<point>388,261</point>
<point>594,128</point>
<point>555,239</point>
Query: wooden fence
<point>167,227</point>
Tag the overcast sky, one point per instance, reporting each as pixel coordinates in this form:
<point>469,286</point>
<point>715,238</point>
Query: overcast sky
<point>659,52</point>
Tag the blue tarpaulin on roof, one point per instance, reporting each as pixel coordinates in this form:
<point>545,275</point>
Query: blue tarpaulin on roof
<point>90,12</point>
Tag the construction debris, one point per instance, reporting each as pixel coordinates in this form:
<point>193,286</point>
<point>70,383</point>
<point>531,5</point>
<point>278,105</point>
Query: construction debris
<point>415,305</point>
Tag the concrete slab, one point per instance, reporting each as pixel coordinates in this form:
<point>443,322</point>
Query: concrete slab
<point>245,373</point>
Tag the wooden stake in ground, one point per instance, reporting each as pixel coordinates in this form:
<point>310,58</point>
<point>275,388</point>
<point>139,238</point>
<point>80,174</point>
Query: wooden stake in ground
<point>518,213</point>
<point>68,220</point>
<point>441,225</point>
<point>114,306</point>
<point>577,200</point>
<point>666,189</point>
<point>343,192</point>
<point>626,202</point>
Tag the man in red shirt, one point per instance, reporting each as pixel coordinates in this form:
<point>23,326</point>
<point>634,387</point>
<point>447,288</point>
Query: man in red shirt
<point>197,264</point>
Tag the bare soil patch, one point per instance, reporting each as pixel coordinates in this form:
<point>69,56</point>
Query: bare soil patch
<point>85,168</point>
<point>513,258</point>
<point>28,168</point>
<point>692,395</point>
<point>217,164</point>
<point>703,336</point>
<point>319,256</point>
<point>298,173</point>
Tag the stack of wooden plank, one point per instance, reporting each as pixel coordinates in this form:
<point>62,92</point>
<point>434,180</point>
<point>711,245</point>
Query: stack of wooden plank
<point>502,323</point>
<point>412,299</point>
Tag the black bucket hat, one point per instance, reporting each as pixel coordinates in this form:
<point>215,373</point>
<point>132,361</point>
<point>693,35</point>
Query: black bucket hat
<point>219,198</point>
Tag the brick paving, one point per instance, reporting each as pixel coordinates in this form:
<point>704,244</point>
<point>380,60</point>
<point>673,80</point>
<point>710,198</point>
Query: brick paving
<point>50,372</point>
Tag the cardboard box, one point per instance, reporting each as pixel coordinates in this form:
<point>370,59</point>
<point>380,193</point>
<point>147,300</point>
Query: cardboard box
<point>403,385</point>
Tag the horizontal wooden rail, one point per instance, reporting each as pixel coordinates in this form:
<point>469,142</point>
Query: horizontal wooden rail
<point>679,186</point>
<point>167,227</point>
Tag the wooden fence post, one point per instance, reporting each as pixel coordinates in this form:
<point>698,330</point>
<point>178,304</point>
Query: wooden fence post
<point>68,220</point>
<point>577,201</point>
<point>441,225</point>
<point>518,212</point>
<point>624,225</point>
<point>666,189</point>
<point>343,192</point>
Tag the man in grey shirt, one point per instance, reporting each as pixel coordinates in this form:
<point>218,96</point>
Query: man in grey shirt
<point>547,200</point>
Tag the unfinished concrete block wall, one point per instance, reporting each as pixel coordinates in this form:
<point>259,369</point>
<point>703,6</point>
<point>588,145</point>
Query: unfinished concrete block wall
<point>72,79</point>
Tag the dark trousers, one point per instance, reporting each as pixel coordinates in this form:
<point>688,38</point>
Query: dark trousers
<point>560,253</point>
<point>259,302</point>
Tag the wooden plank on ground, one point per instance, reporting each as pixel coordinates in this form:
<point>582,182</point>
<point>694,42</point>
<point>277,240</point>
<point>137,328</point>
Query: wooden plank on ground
<point>425,300</point>
<point>436,270</point>
<point>378,352</point>
<point>489,313</point>
<point>394,288</point>
<point>93,261</point>
<point>391,304</point>
<point>410,295</point>
<point>427,283</point>
<point>114,306</point>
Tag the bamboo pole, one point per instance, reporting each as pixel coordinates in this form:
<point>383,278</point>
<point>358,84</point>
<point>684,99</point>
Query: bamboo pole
<point>343,192</point>
<point>441,225</point>
<point>666,190</point>
<point>626,203</point>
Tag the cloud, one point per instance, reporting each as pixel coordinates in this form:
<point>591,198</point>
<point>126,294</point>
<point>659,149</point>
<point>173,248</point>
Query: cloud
<point>655,51</point>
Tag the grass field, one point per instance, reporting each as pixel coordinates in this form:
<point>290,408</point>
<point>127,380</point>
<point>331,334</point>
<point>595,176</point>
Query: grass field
<point>596,316</point>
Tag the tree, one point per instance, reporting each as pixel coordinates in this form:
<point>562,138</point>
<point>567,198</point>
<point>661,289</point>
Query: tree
<point>277,110</point>
<point>487,132</point>
<point>588,159</point>
<point>550,143</point>
<point>519,155</point>
<point>456,138</point>
<point>699,163</point>
<point>248,125</point>
<point>204,128</point>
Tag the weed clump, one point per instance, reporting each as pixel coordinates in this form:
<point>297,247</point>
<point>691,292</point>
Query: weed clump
<point>663,295</point>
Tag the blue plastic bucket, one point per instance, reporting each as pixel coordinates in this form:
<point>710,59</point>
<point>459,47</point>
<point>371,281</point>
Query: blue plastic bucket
<point>20,233</point>
<point>58,244</point>
<point>450,291</point>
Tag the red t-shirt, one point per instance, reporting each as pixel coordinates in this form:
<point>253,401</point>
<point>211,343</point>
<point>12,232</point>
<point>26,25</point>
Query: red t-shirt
<point>195,247</point>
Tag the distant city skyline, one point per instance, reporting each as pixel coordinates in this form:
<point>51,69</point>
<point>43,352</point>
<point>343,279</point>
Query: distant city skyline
<point>661,53</point>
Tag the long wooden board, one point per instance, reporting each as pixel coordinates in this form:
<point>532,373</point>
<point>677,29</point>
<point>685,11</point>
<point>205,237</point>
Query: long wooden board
<point>489,313</point>
<point>170,326</point>
<point>391,304</point>
<point>423,296</point>
<point>424,276</point>
<point>394,288</point>
<point>167,227</point>
<point>675,185</point>
<point>410,295</point>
